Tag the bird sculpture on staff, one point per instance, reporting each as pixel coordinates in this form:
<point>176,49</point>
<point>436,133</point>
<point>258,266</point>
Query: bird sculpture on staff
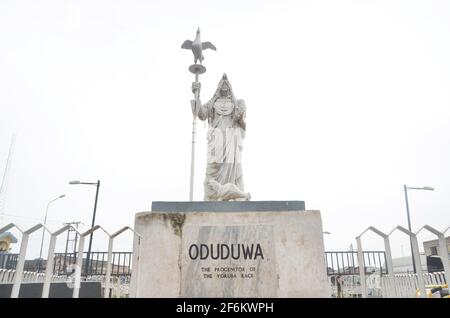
<point>197,47</point>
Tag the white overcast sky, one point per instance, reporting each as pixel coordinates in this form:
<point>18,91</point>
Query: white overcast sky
<point>346,102</point>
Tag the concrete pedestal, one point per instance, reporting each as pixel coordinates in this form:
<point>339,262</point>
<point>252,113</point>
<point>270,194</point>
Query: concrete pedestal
<point>189,249</point>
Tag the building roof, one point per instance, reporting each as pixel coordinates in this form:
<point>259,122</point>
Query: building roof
<point>4,235</point>
<point>436,241</point>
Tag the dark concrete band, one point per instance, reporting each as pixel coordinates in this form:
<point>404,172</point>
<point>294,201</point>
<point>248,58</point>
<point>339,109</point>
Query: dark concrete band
<point>227,206</point>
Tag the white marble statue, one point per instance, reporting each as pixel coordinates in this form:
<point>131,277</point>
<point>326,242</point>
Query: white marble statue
<point>226,119</point>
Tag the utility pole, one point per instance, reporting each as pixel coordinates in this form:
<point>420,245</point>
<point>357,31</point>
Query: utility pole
<point>97,184</point>
<point>74,240</point>
<point>405,189</point>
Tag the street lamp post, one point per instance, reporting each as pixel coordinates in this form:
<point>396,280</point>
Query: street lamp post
<point>97,184</point>
<point>406,188</point>
<point>43,229</point>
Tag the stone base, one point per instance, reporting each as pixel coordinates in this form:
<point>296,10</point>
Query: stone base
<point>229,254</point>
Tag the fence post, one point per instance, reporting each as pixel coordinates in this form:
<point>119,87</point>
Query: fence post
<point>51,260</point>
<point>49,267</point>
<point>362,271</point>
<point>20,264</point>
<point>78,267</point>
<point>443,253</point>
<point>108,268</point>
<point>19,268</point>
<point>419,271</point>
<point>388,254</point>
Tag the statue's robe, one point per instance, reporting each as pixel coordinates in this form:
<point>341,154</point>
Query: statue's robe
<point>226,131</point>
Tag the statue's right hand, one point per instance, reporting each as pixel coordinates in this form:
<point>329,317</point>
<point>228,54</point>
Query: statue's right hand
<point>196,87</point>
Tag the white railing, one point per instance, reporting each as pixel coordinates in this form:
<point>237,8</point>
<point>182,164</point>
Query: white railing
<point>407,286</point>
<point>7,277</point>
<point>387,286</point>
<point>350,286</point>
<point>119,289</point>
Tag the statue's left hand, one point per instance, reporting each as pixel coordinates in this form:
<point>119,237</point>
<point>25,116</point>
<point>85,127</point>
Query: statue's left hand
<point>240,107</point>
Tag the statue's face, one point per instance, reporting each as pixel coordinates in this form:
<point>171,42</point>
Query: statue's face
<point>224,90</point>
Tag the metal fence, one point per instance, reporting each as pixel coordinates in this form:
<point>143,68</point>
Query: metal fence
<point>338,263</point>
<point>62,263</point>
<point>346,262</point>
<point>120,263</point>
<point>8,260</point>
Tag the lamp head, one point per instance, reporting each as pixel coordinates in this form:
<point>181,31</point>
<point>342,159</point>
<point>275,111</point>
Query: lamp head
<point>75,182</point>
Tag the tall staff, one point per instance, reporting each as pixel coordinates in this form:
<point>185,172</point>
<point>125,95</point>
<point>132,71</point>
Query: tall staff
<point>195,108</point>
<point>197,47</point>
